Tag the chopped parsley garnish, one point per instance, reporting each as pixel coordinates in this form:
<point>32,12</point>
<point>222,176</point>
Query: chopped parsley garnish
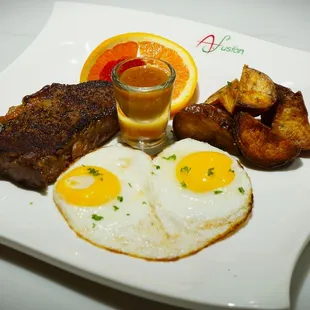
<point>183,184</point>
<point>31,203</point>
<point>210,171</point>
<point>128,214</point>
<point>94,172</point>
<point>241,190</point>
<point>120,198</point>
<point>144,202</point>
<point>171,157</point>
<point>230,170</point>
<point>130,184</point>
<point>186,169</point>
<point>153,173</point>
<point>97,217</point>
<point>229,83</point>
<point>94,225</point>
<point>157,167</point>
<point>216,192</point>
<point>115,208</point>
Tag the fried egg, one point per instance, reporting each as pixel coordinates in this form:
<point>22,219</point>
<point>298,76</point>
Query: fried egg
<point>186,198</point>
<point>200,193</point>
<point>103,197</point>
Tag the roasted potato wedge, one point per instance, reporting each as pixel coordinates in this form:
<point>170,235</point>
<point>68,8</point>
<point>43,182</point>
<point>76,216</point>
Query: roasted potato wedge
<point>290,120</point>
<point>257,92</point>
<point>206,123</point>
<point>260,146</point>
<point>225,96</point>
<point>283,93</point>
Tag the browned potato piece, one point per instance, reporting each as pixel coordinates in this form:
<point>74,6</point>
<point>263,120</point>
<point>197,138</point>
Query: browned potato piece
<point>259,145</point>
<point>290,120</point>
<point>206,123</point>
<point>225,96</point>
<point>257,92</point>
<point>283,93</point>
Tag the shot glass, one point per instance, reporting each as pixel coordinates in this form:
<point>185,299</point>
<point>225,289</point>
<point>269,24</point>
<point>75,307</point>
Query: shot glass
<point>143,91</point>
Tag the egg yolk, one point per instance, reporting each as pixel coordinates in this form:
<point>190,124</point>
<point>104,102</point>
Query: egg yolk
<point>205,171</point>
<point>88,186</point>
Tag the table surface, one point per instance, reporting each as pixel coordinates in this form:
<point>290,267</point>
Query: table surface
<point>29,284</point>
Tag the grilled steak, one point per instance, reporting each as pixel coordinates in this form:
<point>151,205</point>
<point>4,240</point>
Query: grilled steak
<point>52,128</point>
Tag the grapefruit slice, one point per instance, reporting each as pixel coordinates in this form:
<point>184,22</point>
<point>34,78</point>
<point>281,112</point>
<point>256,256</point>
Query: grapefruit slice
<point>107,54</point>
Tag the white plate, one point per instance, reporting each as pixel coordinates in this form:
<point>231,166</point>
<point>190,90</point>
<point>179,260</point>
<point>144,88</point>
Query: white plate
<point>251,268</point>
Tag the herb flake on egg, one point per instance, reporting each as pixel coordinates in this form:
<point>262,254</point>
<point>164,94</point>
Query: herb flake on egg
<point>183,184</point>
<point>97,217</point>
<point>94,172</point>
<point>217,192</point>
<point>241,190</point>
<point>186,169</point>
<point>210,171</point>
<point>171,157</point>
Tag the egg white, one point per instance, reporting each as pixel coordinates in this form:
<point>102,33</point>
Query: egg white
<point>157,219</point>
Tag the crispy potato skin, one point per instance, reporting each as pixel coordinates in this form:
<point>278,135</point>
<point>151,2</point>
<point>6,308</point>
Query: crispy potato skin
<point>290,120</point>
<point>260,146</point>
<point>283,93</point>
<point>257,92</point>
<point>207,123</point>
<point>225,96</point>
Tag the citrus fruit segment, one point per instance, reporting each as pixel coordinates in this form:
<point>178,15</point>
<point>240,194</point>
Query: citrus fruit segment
<point>102,66</point>
<point>101,61</point>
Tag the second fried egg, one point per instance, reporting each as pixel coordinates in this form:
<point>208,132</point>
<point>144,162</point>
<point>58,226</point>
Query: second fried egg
<point>199,192</point>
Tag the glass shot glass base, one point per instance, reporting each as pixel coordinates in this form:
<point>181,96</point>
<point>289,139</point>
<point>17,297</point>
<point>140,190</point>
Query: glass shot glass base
<point>149,146</point>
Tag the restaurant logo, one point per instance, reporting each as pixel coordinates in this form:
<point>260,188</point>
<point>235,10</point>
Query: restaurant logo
<point>208,45</point>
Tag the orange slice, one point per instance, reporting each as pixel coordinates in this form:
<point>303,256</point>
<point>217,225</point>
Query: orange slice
<point>107,54</point>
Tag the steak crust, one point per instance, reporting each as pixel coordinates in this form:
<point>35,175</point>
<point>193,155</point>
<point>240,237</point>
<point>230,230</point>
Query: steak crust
<point>52,128</point>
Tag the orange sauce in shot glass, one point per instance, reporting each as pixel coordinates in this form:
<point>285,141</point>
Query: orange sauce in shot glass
<point>143,90</point>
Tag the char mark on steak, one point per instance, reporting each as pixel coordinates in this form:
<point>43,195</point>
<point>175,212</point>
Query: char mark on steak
<point>52,128</point>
